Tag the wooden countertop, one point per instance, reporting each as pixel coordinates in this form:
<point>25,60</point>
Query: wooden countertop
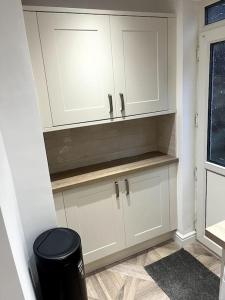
<point>113,169</point>
<point>216,233</point>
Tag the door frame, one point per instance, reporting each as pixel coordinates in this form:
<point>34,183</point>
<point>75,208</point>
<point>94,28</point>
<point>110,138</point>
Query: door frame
<point>206,37</point>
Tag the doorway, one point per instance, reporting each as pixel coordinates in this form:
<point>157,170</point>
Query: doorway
<point>210,140</point>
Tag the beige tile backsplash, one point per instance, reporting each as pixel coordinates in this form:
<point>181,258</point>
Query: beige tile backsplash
<point>166,134</point>
<point>77,147</point>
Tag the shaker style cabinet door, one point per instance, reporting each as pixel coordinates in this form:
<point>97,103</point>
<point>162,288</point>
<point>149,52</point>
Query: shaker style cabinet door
<point>139,46</point>
<point>78,64</point>
<point>96,214</point>
<point>146,206</point>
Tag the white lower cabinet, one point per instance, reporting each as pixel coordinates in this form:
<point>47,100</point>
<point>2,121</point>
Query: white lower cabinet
<point>113,215</point>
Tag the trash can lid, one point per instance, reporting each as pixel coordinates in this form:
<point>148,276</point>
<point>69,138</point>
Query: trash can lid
<point>57,244</point>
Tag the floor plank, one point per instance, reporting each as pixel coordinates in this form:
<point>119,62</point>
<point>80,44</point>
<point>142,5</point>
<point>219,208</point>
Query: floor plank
<point>128,280</point>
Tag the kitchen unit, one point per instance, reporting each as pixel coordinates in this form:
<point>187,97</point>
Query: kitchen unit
<point>133,203</point>
<point>120,121</point>
<point>107,98</point>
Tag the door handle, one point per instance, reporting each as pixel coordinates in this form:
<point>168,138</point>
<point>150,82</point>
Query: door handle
<point>122,102</point>
<point>127,187</point>
<point>110,103</point>
<point>117,190</point>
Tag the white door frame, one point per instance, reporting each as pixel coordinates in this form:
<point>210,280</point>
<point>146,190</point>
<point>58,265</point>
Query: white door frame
<point>206,38</point>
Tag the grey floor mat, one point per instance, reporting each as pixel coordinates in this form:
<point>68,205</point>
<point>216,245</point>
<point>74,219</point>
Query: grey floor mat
<point>182,277</point>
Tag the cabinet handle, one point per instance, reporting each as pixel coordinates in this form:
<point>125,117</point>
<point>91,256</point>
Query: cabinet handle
<point>110,103</point>
<point>122,102</point>
<point>117,189</point>
<point>127,187</point>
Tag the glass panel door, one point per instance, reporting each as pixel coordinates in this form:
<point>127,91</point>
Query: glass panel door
<point>210,139</point>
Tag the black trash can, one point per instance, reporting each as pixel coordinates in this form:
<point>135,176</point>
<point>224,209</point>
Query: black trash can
<point>59,260</point>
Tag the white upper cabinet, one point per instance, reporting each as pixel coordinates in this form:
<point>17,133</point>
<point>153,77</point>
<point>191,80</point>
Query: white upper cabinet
<point>139,46</point>
<point>78,64</point>
<point>96,68</point>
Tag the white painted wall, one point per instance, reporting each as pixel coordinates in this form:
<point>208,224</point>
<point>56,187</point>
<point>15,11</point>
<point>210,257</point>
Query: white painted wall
<point>13,235</point>
<point>10,288</point>
<point>20,125</point>
<point>132,5</point>
<point>187,35</point>
<point>26,199</point>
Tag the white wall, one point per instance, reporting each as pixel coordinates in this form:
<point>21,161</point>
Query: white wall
<point>187,34</point>
<point>13,235</point>
<point>10,288</point>
<point>141,5</point>
<point>23,143</point>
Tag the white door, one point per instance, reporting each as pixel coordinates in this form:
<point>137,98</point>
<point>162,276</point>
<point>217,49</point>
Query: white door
<point>78,65</point>
<point>140,64</point>
<point>211,134</point>
<point>95,212</point>
<point>146,205</point>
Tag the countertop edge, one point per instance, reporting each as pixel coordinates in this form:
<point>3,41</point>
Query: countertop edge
<point>61,184</point>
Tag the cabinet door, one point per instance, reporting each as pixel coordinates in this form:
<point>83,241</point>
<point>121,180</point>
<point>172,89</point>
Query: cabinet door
<point>60,210</point>
<point>146,206</point>
<point>78,64</point>
<point>96,214</point>
<point>140,64</point>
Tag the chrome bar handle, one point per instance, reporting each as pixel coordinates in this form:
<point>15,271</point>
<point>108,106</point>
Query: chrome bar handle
<point>122,102</point>
<point>110,103</point>
<point>127,187</point>
<point>117,190</point>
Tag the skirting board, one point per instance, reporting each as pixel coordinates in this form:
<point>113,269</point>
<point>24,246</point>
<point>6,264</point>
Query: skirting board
<point>185,239</point>
<point>126,253</point>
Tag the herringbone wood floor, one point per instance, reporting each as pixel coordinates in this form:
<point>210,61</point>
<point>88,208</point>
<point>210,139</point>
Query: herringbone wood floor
<point>128,280</point>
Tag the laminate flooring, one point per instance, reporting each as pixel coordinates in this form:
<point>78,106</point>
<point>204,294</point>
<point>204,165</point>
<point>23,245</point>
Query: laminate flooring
<point>128,279</point>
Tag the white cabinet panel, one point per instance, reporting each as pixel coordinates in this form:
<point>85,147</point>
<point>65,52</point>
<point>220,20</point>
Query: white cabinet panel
<point>140,63</point>
<point>96,214</point>
<point>60,210</point>
<point>33,38</point>
<point>78,64</point>
<point>146,208</point>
